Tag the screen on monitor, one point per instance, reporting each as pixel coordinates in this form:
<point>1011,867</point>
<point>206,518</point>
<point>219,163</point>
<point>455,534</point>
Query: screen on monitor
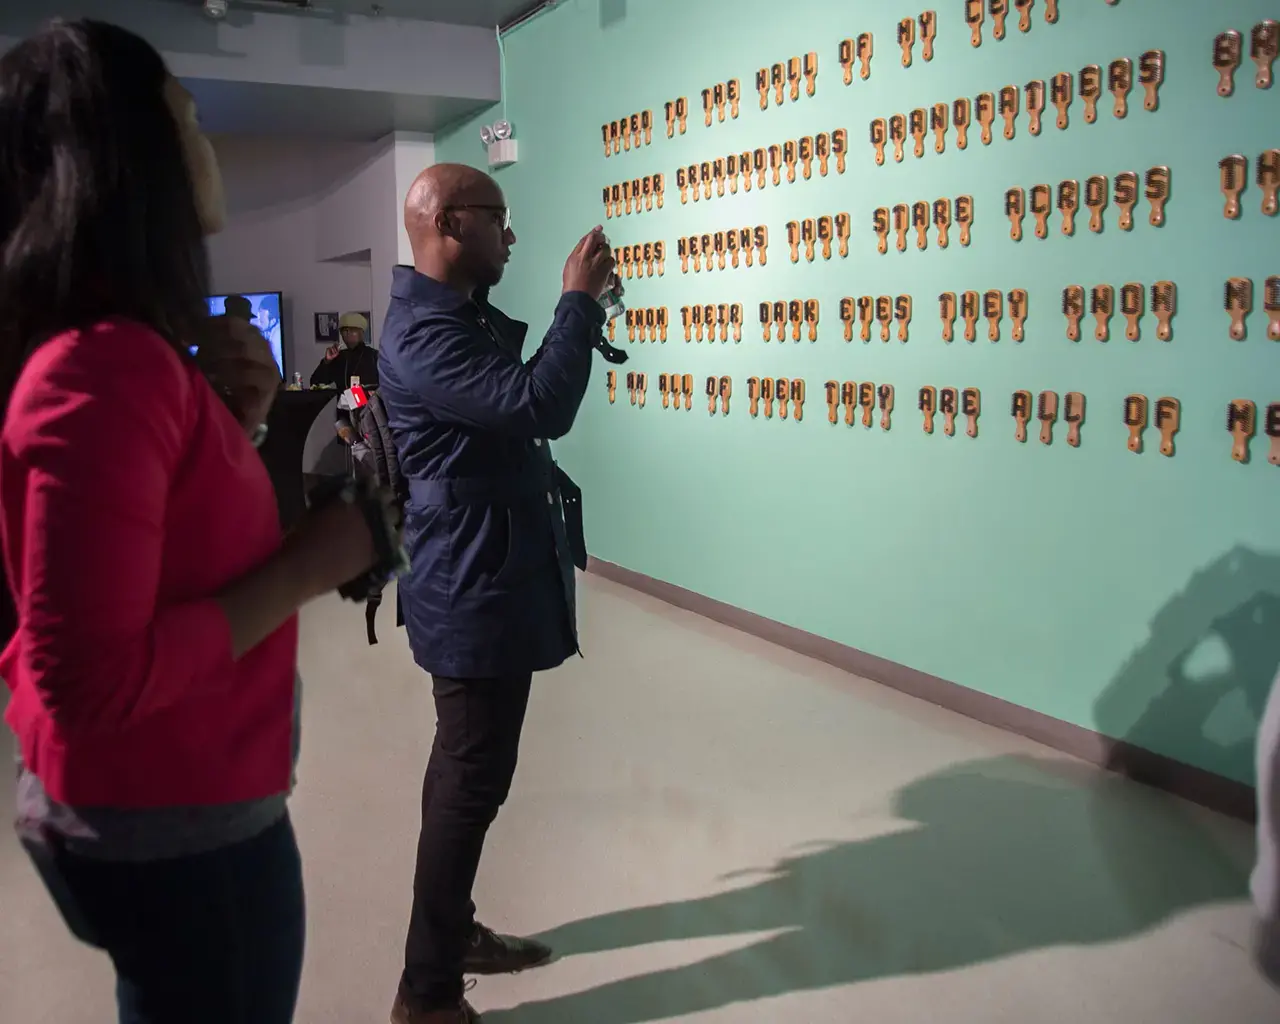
<point>263,309</point>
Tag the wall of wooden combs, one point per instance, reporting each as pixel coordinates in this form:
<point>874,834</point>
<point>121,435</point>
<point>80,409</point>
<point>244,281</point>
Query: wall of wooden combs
<point>964,308</point>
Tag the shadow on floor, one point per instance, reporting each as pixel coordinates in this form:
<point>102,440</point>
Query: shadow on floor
<point>1006,855</point>
<point>1196,688</point>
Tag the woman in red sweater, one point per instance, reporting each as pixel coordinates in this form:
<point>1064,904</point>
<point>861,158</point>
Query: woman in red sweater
<point>152,666</point>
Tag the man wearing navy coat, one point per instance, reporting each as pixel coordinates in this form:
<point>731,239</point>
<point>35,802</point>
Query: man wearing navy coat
<point>489,599</point>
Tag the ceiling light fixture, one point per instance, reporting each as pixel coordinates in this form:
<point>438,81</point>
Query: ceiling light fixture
<point>215,9</point>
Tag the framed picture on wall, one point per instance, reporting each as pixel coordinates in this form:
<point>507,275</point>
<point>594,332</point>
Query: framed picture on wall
<point>327,328</point>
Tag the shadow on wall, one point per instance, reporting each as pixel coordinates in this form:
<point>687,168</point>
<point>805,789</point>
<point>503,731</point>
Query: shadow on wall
<point>1196,689</point>
<point>1007,855</point>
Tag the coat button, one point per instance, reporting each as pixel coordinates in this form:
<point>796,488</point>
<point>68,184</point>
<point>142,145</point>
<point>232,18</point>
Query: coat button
<point>550,499</point>
<point>538,441</point>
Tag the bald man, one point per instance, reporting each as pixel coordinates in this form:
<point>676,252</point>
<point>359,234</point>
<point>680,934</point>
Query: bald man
<point>489,599</point>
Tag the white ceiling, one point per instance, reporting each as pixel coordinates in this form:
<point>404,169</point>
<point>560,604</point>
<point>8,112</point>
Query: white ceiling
<point>454,12</point>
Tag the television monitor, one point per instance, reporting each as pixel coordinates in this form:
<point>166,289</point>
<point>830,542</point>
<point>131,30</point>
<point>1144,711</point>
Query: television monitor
<point>264,310</point>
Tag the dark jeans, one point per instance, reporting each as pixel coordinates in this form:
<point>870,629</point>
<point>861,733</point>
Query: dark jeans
<point>473,760</point>
<point>212,939</point>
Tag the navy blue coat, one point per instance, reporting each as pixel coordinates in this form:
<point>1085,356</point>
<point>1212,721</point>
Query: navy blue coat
<point>491,585</point>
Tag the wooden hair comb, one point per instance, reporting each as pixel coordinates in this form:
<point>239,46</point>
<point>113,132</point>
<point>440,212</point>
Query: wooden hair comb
<point>918,120</point>
<point>1264,48</point>
<point>789,157</point>
<point>1095,198</point>
<point>1051,11</point>
<point>884,313</point>
<point>797,399</point>
<point>907,39</point>
<point>1024,14</point>
<point>1020,409</point>
<point>1157,194</point>
<point>1120,80</point>
<point>805,150</point>
<point>1164,304</point>
<point>902,307</point>
<point>927,402</point>
<point>866,314</point>
<point>947,308</point>
<point>975,14</point>
<point>1041,208</point>
<point>753,395</point>
<point>822,150</point>
<point>1090,91</point>
<point>833,401</point>
<point>1151,75</point>
<point>1073,412</point>
<point>993,310</point>
<point>809,68</point>
<point>885,394</point>
<point>1068,204</point>
<point>962,117</point>
<point>810,307</point>
<point>840,148</point>
<point>1018,312</point>
<point>611,381</point>
<point>1047,411</point>
<point>795,314</point>
<point>865,46</point>
<point>642,388</point>
<point>880,221</point>
<point>1102,305</point>
<point>1015,208</point>
<point>1133,303</point>
<point>843,226</point>
<point>969,307</point>
<point>898,135</point>
<point>713,394</point>
<point>1135,418</point>
<point>1073,309</point>
<point>920,221</point>
<point>964,217</point>
<point>1228,52</point>
<point>1062,92</point>
<point>849,399</point>
<point>1010,100</point>
<point>782,392</point>
<point>879,137</point>
<point>1126,198</point>
<point>939,121</point>
<point>726,392</point>
<point>971,406</point>
<point>847,315</point>
<point>1271,303</point>
<point>1168,420</point>
<point>867,401</point>
<point>1234,173</point>
<point>928,32</point>
<point>985,109</point>
<point>1035,98</point>
<point>901,224</point>
<point>1242,423</point>
<point>1238,302</point>
<point>1269,181</point>
<point>999,11</point>
<point>780,311</point>
<point>766,396</point>
<point>948,405</point>
<point>942,220</point>
<point>1272,427</point>
<point>826,229</point>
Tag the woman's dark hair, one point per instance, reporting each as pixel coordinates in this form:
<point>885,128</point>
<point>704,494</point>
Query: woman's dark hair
<point>98,216</point>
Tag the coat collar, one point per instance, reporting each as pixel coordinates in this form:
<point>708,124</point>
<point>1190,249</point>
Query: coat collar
<point>421,290</point>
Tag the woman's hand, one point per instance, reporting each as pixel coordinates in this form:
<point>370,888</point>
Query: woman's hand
<point>236,360</point>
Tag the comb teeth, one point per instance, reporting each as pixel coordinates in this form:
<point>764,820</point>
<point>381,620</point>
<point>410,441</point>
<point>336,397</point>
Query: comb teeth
<point>1157,183</point>
<point>1068,194</point>
<point>1230,166</point>
<point>1042,404</point>
<point>1100,300</point>
<point>1272,295</point>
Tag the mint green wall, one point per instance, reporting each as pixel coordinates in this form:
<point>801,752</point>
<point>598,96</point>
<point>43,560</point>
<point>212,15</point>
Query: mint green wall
<point>1069,581</point>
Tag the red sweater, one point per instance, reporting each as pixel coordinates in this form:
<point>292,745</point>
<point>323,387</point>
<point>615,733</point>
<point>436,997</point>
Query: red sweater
<point>129,496</point>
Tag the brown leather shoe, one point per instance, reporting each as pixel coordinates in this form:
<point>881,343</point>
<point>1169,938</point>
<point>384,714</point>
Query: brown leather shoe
<point>465,1013</point>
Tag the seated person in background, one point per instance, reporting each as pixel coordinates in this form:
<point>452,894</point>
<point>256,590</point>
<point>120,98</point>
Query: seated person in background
<point>353,358</point>
<point>239,307</point>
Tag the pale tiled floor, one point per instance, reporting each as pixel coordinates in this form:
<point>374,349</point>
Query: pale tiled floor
<point>714,830</point>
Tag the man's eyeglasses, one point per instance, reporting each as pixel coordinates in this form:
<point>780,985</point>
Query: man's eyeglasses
<point>502,214</point>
